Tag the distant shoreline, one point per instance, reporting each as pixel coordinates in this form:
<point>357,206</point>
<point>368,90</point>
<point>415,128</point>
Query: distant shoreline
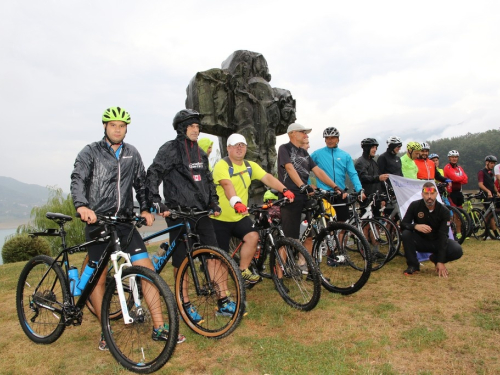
<point>12,224</point>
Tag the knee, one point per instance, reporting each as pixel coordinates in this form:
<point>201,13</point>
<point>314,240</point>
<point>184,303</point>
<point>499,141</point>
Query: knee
<point>251,238</point>
<point>406,235</point>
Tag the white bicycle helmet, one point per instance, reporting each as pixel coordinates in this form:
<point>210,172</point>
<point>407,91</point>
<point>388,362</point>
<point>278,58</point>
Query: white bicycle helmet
<point>425,146</point>
<point>453,153</point>
<point>394,141</point>
<point>331,132</point>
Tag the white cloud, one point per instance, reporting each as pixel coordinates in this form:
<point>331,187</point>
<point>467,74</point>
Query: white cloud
<point>421,71</point>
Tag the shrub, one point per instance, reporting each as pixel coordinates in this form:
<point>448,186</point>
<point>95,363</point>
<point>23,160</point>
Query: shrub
<point>22,247</point>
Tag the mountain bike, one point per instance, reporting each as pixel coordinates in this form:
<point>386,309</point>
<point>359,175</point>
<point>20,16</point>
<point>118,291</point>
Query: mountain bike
<point>478,227</point>
<point>340,250</point>
<point>278,256</point>
<point>207,273</point>
<point>377,235</point>
<point>47,287</point>
<point>491,217</point>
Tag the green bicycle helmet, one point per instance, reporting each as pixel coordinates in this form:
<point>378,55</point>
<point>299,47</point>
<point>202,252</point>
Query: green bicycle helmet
<point>115,114</point>
<point>413,146</point>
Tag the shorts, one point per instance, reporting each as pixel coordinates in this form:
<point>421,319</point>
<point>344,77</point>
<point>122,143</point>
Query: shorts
<point>291,216</point>
<point>343,213</point>
<point>203,229</point>
<point>224,230</point>
<point>136,246</point>
<point>457,198</point>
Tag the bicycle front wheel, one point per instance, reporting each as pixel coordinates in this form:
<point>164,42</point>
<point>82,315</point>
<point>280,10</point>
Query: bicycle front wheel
<point>41,293</point>
<point>299,290</point>
<point>212,275</point>
<point>347,266</point>
<point>479,227</point>
<point>134,345</point>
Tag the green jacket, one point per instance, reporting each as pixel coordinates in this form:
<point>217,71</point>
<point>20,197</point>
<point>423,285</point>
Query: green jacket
<point>408,167</point>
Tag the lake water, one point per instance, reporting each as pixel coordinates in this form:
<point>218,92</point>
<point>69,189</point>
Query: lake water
<point>144,231</point>
<point>4,233</point>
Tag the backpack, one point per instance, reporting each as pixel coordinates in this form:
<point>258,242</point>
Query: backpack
<point>231,169</point>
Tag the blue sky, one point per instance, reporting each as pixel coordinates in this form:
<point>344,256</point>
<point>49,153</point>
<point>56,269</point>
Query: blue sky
<point>421,71</point>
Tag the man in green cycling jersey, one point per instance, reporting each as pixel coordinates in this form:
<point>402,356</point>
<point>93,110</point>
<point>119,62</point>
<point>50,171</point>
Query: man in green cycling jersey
<point>408,166</point>
<point>104,174</point>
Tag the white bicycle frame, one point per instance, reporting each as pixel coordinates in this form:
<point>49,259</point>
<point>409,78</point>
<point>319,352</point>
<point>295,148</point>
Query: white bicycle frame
<point>127,319</point>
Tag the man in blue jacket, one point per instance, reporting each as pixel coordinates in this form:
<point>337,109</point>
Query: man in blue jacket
<point>336,163</point>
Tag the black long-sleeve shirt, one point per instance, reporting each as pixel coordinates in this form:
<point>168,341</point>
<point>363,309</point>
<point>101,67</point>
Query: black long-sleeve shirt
<point>438,220</point>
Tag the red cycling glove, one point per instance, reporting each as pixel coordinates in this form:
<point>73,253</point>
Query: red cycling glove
<point>240,207</point>
<point>288,194</point>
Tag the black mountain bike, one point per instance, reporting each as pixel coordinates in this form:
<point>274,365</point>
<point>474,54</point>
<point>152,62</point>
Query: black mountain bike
<point>46,304</point>
<point>207,274</point>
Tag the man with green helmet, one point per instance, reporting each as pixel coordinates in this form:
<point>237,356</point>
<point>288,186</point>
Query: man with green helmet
<point>104,176</point>
<point>408,166</point>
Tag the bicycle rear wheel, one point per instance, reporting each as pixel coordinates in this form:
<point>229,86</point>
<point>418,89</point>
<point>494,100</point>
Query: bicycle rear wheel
<point>479,227</point>
<point>394,233</point>
<point>132,344</point>
<point>380,242</point>
<point>467,220</point>
<point>218,276</point>
<point>301,291</point>
<point>457,224</point>
<point>41,294</point>
<point>347,266</point>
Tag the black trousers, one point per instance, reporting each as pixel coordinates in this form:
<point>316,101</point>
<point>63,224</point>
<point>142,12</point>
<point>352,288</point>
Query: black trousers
<point>413,242</point>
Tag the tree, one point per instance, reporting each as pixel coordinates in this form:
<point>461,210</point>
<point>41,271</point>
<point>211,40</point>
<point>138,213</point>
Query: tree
<point>57,203</point>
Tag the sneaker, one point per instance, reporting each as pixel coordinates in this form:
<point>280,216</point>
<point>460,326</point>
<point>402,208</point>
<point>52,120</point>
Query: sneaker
<point>378,255</point>
<point>102,344</point>
<point>250,277</point>
<point>411,270</point>
<point>336,261</point>
<point>161,334</point>
<point>283,286</point>
<point>304,269</point>
<point>193,314</point>
<point>226,309</point>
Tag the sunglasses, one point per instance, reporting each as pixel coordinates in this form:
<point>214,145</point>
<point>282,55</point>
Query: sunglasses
<point>428,190</point>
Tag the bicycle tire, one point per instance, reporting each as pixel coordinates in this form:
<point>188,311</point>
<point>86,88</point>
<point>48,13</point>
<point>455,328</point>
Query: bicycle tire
<point>213,325</point>
<point>300,291</point>
<point>378,238</point>
<point>467,220</point>
<point>479,230</point>
<point>263,262</point>
<point>40,324</point>
<point>459,234</point>
<point>131,344</point>
<point>395,234</point>
<point>350,265</point>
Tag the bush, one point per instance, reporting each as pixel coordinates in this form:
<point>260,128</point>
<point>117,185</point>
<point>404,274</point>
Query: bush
<point>22,247</point>
<point>57,202</point>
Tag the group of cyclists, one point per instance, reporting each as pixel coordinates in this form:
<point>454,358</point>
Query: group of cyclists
<point>107,171</point>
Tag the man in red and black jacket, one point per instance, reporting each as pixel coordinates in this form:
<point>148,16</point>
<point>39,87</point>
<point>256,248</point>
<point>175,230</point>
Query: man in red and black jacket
<point>458,177</point>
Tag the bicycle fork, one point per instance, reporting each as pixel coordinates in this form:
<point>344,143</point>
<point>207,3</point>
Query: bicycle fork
<point>127,319</point>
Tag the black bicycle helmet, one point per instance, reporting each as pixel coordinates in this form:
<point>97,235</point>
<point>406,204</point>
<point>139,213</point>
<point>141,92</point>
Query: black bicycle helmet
<point>491,158</point>
<point>369,142</point>
<point>182,117</point>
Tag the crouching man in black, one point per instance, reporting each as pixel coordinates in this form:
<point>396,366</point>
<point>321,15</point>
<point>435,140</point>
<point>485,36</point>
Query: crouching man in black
<point>425,229</point>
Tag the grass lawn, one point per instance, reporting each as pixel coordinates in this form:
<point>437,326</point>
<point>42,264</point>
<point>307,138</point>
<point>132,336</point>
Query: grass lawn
<point>396,324</point>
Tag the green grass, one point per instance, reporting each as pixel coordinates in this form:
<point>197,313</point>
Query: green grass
<point>394,325</point>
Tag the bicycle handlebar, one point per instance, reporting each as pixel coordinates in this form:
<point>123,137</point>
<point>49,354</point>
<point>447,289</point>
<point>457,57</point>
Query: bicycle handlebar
<point>267,206</point>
